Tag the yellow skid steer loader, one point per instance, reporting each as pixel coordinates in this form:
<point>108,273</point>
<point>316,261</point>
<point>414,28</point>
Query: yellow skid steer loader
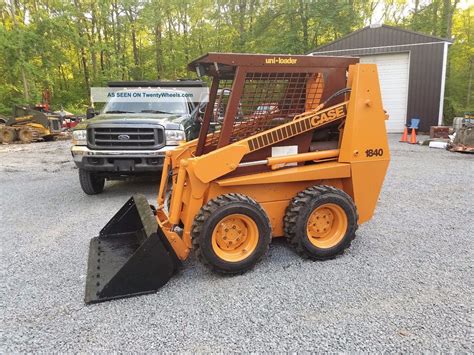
<point>301,152</point>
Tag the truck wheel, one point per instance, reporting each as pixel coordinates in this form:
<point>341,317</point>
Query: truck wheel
<point>25,135</point>
<point>321,222</point>
<point>8,135</point>
<point>91,183</point>
<point>231,233</point>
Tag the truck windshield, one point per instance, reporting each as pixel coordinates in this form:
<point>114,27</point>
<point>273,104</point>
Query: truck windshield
<point>175,107</point>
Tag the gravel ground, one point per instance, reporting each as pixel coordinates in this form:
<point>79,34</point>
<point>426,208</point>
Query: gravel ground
<point>405,285</point>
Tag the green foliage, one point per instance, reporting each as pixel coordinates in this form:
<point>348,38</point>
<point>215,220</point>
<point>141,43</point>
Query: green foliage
<point>459,83</point>
<point>68,46</point>
<point>449,111</point>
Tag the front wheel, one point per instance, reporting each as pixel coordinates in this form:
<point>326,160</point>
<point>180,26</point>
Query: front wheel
<point>231,233</point>
<point>92,184</point>
<point>321,222</point>
<point>7,135</point>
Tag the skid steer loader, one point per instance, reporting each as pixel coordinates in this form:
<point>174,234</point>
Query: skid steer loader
<point>309,169</point>
<point>30,124</point>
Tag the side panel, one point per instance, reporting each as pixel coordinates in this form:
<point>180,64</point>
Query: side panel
<point>276,213</point>
<point>367,178</point>
<point>364,141</point>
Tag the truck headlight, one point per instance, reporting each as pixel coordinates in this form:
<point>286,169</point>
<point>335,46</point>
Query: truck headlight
<point>173,136</point>
<point>79,137</point>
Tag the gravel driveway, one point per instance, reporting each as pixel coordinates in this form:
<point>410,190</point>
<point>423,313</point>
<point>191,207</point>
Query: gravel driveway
<point>405,285</point>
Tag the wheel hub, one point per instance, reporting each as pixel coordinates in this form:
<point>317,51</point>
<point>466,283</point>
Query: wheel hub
<point>231,233</point>
<point>326,225</point>
<point>235,237</point>
<point>320,222</point>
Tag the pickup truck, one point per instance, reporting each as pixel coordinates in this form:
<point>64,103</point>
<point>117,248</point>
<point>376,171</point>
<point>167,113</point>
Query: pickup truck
<point>129,138</point>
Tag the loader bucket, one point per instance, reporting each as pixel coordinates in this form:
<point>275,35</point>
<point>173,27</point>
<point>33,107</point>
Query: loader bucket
<point>131,255</point>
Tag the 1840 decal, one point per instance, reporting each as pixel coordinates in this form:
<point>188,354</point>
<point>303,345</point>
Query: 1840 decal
<point>374,152</point>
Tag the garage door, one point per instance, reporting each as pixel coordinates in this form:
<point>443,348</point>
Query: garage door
<point>393,76</point>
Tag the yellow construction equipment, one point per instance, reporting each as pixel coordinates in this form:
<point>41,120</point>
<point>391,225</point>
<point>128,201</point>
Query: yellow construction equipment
<point>300,153</point>
<point>30,124</point>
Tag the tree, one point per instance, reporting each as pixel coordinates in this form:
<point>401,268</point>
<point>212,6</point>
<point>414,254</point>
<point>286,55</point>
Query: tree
<point>68,46</point>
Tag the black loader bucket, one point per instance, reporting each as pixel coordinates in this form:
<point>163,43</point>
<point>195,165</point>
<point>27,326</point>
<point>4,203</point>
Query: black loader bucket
<point>131,255</point>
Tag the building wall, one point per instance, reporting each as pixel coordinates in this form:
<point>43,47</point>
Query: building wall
<point>426,65</point>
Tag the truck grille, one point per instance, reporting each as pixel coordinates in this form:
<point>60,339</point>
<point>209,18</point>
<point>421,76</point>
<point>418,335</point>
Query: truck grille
<point>129,137</point>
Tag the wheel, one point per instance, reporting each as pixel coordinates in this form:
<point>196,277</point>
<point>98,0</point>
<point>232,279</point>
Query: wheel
<point>25,135</point>
<point>8,135</point>
<point>231,233</point>
<point>321,222</point>
<point>91,183</point>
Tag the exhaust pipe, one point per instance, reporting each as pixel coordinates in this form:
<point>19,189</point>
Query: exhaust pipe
<point>131,256</point>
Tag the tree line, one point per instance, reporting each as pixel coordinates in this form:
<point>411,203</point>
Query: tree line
<point>69,46</point>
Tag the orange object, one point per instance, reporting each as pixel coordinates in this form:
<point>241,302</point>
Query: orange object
<point>413,137</point>
<point>405,136</point>
<point>326,226</point>
<point>235,237</point>
<point>358,169</point>
<point>232,190</point>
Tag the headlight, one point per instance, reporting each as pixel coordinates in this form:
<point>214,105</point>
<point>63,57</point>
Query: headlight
<point>79,137</point>
<point>173,137</point>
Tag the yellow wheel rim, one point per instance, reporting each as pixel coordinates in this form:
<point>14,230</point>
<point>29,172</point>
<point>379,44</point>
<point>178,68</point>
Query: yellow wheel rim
<point>235,237</point>
<point>326,226</point>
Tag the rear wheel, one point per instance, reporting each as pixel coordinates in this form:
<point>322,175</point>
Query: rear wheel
<point>231,233</point>
<point>7,134</point>
<point>91,183</point>
<point>321,222</point>
<point>25,135</point>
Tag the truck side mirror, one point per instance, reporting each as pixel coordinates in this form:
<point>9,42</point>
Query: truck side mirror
<point>90,113</point>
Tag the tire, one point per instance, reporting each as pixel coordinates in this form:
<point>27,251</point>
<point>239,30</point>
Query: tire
<point>8,135</point>
<point>320,222</point>
<point>91,183</point>
<point>25,135</point>
<point>235,251</point>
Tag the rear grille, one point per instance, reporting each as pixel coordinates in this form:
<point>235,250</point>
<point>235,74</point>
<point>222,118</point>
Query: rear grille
<point>128,137</point>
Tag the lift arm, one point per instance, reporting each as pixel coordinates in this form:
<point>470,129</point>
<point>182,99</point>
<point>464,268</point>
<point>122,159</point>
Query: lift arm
<point>222,161</point>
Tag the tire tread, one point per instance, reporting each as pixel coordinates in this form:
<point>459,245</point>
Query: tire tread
<point>89,184</point>
<point>205,213</point>
<point>293,211</point>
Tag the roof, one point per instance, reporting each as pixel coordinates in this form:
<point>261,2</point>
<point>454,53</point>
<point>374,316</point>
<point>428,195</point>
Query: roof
<point>225,64</point>
<point>400,35</point>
